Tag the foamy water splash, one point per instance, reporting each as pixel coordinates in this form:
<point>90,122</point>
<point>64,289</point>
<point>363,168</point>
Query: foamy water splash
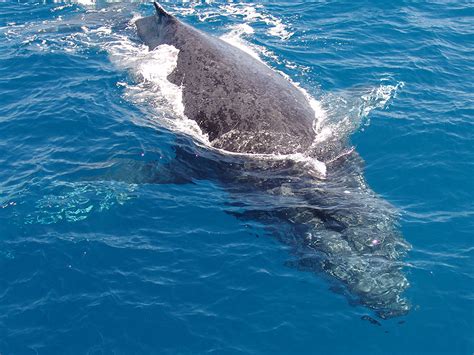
<point>250,14</point>
<point>378,98</point>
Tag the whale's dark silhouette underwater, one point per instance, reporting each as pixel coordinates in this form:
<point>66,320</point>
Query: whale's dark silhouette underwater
<point>335,225</point>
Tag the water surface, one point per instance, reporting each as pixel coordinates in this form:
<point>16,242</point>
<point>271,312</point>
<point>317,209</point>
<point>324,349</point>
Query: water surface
<point>95,260</point>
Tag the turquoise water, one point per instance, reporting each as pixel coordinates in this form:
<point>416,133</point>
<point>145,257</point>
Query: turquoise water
<point>96,259</point>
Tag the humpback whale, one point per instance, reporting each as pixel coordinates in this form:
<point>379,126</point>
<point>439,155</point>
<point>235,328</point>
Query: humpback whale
<point>335,225</point>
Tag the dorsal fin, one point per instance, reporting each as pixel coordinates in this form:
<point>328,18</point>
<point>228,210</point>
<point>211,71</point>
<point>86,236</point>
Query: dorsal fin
<point>160,11</point>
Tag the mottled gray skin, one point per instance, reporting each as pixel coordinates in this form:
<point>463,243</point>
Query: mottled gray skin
<point>237,100</point>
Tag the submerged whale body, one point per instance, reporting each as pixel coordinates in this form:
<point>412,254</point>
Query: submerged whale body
<point>336,225</point>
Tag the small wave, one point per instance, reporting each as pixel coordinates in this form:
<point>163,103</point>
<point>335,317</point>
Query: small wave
<point>250,14</point>
<point>378,98</point>
<point>348,111</point>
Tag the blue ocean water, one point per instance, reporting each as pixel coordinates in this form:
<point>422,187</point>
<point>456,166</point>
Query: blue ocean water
<point>94,259</point>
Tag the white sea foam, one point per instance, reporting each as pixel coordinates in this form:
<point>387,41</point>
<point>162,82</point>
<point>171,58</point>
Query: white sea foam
<point>156,66</point>
<point>378,98</point>
<point>151,70</point>
<point>86,2</point>
<point>250,14</point>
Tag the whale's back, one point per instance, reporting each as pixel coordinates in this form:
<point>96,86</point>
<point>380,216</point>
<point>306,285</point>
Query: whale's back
<point>242,104</point>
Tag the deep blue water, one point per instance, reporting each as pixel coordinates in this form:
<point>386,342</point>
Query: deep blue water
<point>94,260</point>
